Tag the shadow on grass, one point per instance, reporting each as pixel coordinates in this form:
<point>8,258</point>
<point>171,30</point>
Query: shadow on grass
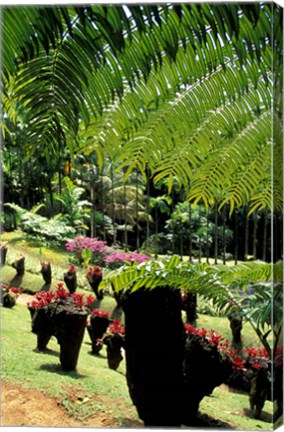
<point>205,421</point>
<point>45,287</point>
<point>98,356</point>
<point>264,416</point>
<point>51,367</point>
<point>16,281</point>
<point>48,352</point>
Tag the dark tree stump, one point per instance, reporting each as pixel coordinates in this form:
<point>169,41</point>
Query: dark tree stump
<point>19,265</point>
<point>260,389</point>
<point>114,343</point>
<point>69,330</point>
<point>97,328</point>
<point>94,282</point>
<point>46,272</point>
<point>236,326</point>
<point>9,300</point>
<point>189,305</point>
<point>70,279</point>
<point>154,345</point>
<point>204,369</point>
<point>3,253</point>
<point>43,327</point>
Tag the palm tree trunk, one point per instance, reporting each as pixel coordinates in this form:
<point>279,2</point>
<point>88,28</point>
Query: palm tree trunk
<point>200,246</point>
<point>255,223</point>
<point>112,205</point>
<point>173,224</point>
<point>103,205</point>
<point>224,236</point>
<point>216,235</point>
<point>190,233</point>
<point>264,244</point>
<point>92,212</point>
<point>125,219</point>
<point>236,251</point>
<point>148,206</point>
<point>207,238</point>
<point>246,251</point>
<point>137,214</point>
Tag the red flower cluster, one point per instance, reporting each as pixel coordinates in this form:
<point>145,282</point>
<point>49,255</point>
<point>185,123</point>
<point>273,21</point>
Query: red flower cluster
<point>94,271</point>
<point>79,299</point>
<point>116,327</point>
<point>43,299</point>
<point>61,292</point>
<point>100,313</point>
<point>14,290</point>
<point>71,269</point>
<point>257,352</point>
<point>219,341</point>
<point>90,299</point>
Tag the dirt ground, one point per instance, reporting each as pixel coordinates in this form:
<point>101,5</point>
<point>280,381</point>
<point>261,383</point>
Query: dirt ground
<point>21,406</point>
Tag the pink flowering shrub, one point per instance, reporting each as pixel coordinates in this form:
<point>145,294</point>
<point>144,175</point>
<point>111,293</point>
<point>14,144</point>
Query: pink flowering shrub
<point>117,259</point>
<point>79,245</point>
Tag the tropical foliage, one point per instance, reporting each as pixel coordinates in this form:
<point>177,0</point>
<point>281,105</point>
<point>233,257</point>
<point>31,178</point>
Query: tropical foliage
<point>185,91</point>
<point>252,289</point>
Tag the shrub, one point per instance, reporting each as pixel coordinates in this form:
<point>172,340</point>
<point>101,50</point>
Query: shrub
<point>117,259</point>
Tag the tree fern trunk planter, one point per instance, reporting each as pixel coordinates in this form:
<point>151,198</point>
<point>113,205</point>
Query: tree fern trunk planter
<point>70,279</point>
<point>189,305</point>
<point>43,326</point>
<point>94,276</point>
<point>99,322</point>
<point>69,314</point>
<point>114,341</point>
<point>69,331</point>
<point>205,368</point>
<point>46,272</point>
<point>3,252</point>
<point>154,341</point>
<point>19,265</point>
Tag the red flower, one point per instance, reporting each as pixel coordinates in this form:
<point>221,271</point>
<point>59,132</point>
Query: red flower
<point>190,329</point>
<point>61,292</point>
<point>94,271</point>
<point>214,338</point>
<point>78,299</point>
<point>90,300</point>
<point>238,363</point>
<point>116,327</point>
<point>100,313</point>
<point>71,269</point>
<point>256,364</point>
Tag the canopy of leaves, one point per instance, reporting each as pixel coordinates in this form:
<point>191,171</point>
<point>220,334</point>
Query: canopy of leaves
<point>186,90</point>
